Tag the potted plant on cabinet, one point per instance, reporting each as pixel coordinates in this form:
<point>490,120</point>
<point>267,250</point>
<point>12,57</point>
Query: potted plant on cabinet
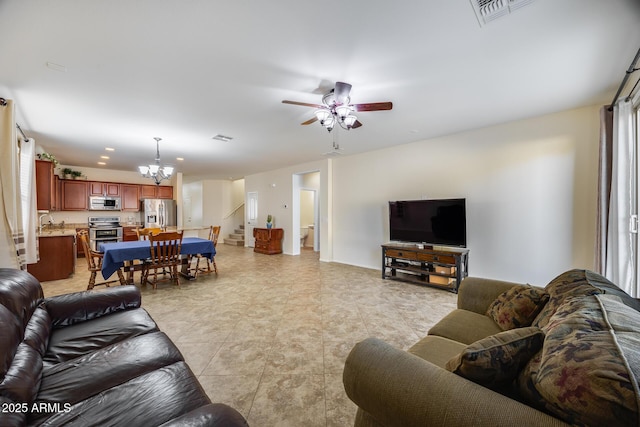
<point>66,173</point>
<point>269,221</point>
<point>76,174</point>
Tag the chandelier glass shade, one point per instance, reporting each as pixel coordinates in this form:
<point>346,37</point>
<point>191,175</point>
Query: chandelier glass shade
<point>154,171</point>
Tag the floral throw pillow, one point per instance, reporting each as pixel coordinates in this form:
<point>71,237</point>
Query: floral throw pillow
<point>496,360</point>
<point>517,307</point>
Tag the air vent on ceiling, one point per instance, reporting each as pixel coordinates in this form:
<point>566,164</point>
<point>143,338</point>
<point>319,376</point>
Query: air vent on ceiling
<point>222,138</point>
<point>489,10</point>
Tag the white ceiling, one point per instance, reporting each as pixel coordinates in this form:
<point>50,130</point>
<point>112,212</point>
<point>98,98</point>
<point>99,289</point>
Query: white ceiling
<point>188,70</point>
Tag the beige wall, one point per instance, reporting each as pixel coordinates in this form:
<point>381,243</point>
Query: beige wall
<point>530,187</point>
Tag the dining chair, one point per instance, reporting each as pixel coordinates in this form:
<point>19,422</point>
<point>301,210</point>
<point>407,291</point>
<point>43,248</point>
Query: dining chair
<point>214,232</point>
<point>94,262</point>
<point>165,254</point>
<point>143,234</point>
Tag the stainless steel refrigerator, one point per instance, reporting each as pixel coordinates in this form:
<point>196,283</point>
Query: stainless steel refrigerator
<point>160,213</point>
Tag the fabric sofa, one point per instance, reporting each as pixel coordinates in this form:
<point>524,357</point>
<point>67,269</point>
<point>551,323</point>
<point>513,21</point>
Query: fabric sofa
<point>509,355</point>
<point>93,358</point>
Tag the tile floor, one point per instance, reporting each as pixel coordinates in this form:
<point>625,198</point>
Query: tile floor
<point>269,334</point>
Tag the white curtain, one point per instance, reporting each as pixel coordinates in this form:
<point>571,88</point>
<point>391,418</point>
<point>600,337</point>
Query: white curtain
<point>621,246</point>
<point>28,199</point>
<point>12,253</point>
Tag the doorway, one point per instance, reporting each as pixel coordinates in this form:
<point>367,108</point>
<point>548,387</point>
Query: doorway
<point>306,212</point>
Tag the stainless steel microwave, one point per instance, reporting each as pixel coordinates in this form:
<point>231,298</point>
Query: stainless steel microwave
<point>104,203</point>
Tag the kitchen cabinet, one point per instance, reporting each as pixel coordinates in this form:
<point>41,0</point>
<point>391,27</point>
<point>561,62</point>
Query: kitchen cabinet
<point>57,258</point>
<point>130,197</point>
<point>97,188</point>
<point>156,192</point>
<point>74,195</point>
<point>45,186</point>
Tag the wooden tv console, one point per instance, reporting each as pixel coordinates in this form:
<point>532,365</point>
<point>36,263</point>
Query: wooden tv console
<point>442,267</point>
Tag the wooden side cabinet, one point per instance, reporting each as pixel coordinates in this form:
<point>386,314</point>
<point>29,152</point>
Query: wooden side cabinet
<point>443,268</point>
<point>268,240</point>
<point>57,258</point>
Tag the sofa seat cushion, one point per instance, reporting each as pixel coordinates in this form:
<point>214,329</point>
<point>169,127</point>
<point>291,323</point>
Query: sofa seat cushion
<point>496,360</point>
<point>517,307</point>
<point>465,326</point>
<point>80,378</point>
<point>587,371</point>
<point>437,350</point>
<point>73,341</point>
<point>150,399</point>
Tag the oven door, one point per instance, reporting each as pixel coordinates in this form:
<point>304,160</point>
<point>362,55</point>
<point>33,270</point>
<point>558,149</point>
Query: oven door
<point>95,244</point>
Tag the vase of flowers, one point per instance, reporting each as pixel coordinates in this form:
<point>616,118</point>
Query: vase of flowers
<point>269,221</point>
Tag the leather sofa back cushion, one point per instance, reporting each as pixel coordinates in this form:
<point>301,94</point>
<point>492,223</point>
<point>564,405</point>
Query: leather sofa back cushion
<point>587,371</point>
<point>20,293</point>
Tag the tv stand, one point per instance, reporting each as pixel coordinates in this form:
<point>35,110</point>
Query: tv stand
<point>439,267</point>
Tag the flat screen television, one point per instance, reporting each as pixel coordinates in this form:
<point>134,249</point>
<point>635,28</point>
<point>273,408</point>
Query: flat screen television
<point>432,222</point>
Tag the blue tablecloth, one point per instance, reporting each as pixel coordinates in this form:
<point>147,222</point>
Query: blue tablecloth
<point>115,254</point>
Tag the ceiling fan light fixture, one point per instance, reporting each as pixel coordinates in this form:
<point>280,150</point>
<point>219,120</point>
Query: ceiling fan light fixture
<point>322,115</point>
<point>343,111</point>
<point>349,120</point>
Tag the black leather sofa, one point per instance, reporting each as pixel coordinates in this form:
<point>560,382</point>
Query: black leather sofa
<point>93,358</point>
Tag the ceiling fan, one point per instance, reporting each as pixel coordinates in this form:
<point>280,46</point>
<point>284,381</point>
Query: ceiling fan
<point>336,108</point>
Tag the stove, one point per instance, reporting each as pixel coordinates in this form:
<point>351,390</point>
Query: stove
<point>104,229</point>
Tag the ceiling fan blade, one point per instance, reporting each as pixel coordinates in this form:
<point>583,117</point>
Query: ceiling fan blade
<point>341,92</point>
<point>356,124</point>
<point>374,106</point>
<point>304,104</point>
<point>311,120</point>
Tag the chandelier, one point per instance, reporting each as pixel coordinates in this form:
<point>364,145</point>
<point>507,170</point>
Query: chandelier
<point>154,171</point>
<point>336,110</point>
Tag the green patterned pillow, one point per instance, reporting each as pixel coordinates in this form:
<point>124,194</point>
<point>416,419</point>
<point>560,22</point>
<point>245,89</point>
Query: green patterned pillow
<point>517,307</point>
<point>496,360</point>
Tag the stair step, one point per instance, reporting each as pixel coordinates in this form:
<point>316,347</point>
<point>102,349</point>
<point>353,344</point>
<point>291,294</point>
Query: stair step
<point>238,231</point>
<point>233,242</point>
<point>237,236</point>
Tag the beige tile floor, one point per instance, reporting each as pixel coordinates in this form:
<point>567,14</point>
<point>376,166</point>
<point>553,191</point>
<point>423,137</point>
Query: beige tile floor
<point>269,334</point>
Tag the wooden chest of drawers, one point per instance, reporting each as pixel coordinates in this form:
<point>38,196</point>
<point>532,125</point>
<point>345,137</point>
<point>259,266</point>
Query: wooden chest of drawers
<point>268,240</point>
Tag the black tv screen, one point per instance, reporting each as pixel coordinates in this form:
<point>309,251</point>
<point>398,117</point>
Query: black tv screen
<point>435,222</point>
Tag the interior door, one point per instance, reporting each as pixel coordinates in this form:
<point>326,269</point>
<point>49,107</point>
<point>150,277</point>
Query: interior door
<point>251,215</point>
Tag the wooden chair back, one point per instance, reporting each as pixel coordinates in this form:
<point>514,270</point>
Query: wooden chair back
<point>165,248</point>
<point>144,233</point>
<point>94,259</point>
<point>214,232</point>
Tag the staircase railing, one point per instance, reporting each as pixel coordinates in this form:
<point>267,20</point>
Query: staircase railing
<point>233,211</point>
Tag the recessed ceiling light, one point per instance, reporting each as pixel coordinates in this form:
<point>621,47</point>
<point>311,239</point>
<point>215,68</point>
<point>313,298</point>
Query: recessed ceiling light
<point>180,158</point>
<point>104,157</point>
<point>101,163</point>
<point>110,149</point>
<point>222,138</point>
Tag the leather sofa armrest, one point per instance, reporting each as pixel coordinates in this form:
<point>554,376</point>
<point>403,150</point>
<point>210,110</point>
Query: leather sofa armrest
<point>78,307</point>
<point>476,294</point>
<point>213,415</point>
<point>397,388</point>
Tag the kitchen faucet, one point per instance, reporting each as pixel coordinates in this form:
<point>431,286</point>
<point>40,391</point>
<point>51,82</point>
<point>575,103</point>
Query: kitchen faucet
<point>51,220</point>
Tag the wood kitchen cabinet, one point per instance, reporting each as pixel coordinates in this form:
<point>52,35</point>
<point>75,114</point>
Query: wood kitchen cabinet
<point>130,197</point>
<point>156,192</point>
<point>97,188</point>
<point>57,258</point>
<point>45,186</point>
<point>74,195</point>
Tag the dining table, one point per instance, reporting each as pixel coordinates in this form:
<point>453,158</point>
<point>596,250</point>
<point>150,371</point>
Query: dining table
<point>123,254</point>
